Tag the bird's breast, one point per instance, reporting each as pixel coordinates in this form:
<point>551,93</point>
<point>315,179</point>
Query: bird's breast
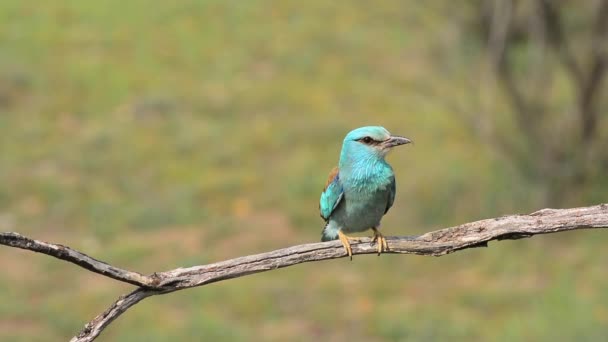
<point>368,185</point>
<point>361,210</point>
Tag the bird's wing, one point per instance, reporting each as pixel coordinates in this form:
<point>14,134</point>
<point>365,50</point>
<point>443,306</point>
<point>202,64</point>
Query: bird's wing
<point>332,194</point>
<point>391,195</point>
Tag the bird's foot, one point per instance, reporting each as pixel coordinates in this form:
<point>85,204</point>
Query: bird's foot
<point>380,240</point>
<point>344,239</point>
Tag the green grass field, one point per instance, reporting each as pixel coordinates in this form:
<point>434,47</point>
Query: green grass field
<point>154,136</point>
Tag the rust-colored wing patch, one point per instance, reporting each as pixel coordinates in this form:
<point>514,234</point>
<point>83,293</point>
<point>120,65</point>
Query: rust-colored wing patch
<point>334,172</point>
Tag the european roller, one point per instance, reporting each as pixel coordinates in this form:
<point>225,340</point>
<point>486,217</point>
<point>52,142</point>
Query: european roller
<point>361,189</point>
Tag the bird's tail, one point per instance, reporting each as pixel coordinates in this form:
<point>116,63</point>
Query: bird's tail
<point>330,232</point>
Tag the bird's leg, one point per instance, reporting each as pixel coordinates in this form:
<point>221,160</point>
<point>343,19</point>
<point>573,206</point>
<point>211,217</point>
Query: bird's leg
<point>344,239</point>
<point>381,240</point>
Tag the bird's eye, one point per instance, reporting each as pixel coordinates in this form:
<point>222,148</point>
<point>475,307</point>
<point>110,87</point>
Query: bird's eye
<point>367,140</point>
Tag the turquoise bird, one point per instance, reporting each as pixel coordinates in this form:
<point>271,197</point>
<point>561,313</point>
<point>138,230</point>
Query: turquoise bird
<point>361,189</point>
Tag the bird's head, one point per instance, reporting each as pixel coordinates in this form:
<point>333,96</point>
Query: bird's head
<point>370,141</point>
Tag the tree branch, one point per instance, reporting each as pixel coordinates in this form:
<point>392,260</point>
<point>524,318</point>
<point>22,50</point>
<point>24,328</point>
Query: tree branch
<point>592,84</point>
<point>559,41</point>
<point>123,303</point>
<point>437,243</point>
<point>501,31</point>
<point>75,257</point>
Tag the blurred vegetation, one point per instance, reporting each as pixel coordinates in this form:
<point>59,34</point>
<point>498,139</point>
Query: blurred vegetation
<point>186,132</point>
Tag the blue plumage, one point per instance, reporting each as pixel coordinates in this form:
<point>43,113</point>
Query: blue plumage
<point>362,188</point>
<point>332,195</point>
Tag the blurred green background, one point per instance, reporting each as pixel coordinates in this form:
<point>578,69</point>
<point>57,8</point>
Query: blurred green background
<point>154,135</point>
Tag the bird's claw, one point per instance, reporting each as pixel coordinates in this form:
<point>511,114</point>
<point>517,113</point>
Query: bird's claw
<point>380,240</point>
<point>344,239</point>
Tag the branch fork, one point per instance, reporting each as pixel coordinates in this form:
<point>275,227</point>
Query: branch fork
<point>436,243</point>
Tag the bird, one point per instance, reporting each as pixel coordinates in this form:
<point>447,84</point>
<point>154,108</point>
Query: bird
<point>361,189</point>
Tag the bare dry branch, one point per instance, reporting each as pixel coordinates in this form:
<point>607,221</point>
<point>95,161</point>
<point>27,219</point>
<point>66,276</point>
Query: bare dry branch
<point>123,303</point>
<point>437,243</point>
<point>73,256</point>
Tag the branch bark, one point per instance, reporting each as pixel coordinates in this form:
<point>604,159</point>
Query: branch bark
<point>68,254</point>
<point>437,243</point>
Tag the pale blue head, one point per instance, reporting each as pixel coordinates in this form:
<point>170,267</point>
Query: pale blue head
<point>369,142</point>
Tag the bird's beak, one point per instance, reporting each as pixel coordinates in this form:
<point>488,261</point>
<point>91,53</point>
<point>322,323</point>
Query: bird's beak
<point>395,140</point>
